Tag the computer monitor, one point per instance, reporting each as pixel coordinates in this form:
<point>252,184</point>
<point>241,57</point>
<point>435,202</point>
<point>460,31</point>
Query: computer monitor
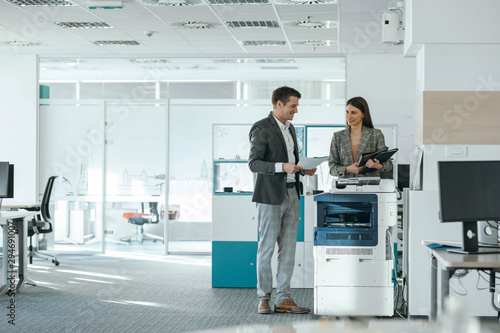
<point>6,181</point>
<point>403,176</point>
<point>469,191</point>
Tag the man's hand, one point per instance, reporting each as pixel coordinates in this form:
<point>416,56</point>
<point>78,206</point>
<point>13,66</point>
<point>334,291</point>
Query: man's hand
<point>310,172</point>
<point>291,168</point>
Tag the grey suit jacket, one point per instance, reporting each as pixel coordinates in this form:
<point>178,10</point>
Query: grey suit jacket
<point>372,140</point>
<point>267,147</point>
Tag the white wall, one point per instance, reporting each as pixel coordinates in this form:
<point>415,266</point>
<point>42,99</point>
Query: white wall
<point>450,22</point>
<point>388,83</point>
<point>459,67</point>
<point>18,123</point>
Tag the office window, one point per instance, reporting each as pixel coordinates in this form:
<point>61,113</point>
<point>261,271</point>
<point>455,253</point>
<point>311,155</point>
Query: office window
<point>198,90</point>
<point>308,89</point>
<point>61,90</point>
<point>118,90</point>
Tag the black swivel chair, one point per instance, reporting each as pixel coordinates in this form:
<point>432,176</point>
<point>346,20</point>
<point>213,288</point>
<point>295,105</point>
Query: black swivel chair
<point>36,225</point>
<point>142,218</point>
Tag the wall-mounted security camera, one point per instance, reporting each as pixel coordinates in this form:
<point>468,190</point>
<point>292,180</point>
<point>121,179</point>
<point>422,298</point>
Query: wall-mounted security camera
<point>149,33</point>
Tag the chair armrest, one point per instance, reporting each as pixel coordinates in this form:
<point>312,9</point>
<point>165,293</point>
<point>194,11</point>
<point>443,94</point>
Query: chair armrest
<point>37,226</point>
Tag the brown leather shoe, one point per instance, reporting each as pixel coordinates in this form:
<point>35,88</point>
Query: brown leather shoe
<point>264,307</point>
<point>290,306</point>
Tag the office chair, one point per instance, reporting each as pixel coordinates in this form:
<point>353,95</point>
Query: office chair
<point>139,219</point>
<point>36,225</point>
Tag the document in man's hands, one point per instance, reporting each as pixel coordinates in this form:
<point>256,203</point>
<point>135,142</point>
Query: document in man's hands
<point>308,163</point>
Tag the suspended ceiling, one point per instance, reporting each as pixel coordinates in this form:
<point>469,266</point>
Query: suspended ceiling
<point>193,35</point>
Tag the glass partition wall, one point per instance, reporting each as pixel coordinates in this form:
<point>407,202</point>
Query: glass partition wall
<point>110,157</point>
<point>135,157</point>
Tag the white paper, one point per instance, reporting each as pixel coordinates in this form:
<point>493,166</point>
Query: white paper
<point>309,163</point>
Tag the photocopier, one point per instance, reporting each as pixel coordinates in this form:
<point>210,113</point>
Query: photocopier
<point>354,259</point>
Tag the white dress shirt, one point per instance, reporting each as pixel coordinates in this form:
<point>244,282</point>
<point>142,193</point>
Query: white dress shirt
<point>290,178</point>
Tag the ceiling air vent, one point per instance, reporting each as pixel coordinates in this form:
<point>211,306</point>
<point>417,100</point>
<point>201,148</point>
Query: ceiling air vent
<point>160,68</point>
<point>195,25</point>
<point>172,2</point>
<point>304,2</point>
<point>263,43</point>
<point>252,24</point>
<point>83,25</point>
<point>202,68</point>
<point>40,3</point>
<point>149,61</point>
<point>311,24</point>
<point>20,43</point>
<point>115,42</point>
<point>230,61</point>
<point>275,61</point>
<point>315,43</point>
<point>291,68</point>
<point>238,2</point>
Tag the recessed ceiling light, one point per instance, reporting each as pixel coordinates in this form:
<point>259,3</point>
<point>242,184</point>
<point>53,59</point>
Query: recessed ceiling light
<point>196,25</point>
<point>105,4</point>
<point>115,42</point>
<point>36,3</point>
<point>83,25</point>
<point>172,2</point>
<point>263,42</point>
<point>252,24</point>
<point>238,2</point>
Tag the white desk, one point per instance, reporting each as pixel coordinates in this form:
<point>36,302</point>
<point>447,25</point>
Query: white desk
<point>18,218</point>
<point>448,262</point>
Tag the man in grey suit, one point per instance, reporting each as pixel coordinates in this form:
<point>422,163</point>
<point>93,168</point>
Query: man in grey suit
<point>273,157</point>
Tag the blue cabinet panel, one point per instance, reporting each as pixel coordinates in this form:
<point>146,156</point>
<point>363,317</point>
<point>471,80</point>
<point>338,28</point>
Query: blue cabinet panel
<point>300,231</point>
<point>234,264</point>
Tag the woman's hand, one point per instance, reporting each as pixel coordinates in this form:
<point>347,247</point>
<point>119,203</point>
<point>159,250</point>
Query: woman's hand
<point>353,168</point>
<point>374,164</point>
<point>310,172</point>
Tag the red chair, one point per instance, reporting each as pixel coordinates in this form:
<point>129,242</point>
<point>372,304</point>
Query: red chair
<point>140,219</point>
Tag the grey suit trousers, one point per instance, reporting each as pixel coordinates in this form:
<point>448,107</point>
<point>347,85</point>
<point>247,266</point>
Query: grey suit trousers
<point>277,224</point>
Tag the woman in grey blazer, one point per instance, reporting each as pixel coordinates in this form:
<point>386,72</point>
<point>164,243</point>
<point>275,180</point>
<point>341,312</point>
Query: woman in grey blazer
<point>359,137</point>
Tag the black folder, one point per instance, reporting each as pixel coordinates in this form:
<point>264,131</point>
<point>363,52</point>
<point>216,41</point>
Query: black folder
<point>381,155</point>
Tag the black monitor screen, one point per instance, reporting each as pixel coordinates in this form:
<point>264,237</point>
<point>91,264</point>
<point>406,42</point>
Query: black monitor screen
<point>4,179</point>
<point>469,191</point>
<point>403,176</point>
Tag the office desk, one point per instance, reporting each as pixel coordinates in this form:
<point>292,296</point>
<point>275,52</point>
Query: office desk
<point>32,206</point>
<point>448,262</point>
<point>18,218</point>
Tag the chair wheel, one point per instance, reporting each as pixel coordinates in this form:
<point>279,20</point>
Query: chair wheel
<point>55,262</point>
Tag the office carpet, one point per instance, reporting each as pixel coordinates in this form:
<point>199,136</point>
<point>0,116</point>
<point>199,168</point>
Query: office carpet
<point>136,294</point>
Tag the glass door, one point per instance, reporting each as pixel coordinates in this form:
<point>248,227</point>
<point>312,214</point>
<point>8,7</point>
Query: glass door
<point>136,146</point>
<point>71,147</point>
